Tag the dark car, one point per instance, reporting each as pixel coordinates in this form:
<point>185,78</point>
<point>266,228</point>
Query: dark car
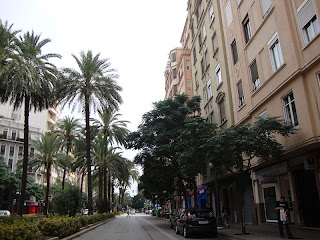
<point>174,216</point>
<point>196,221</point>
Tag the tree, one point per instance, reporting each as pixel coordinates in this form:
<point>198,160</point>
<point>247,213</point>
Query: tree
<point>94,87</point>
<point>67,131</point>
<point>8,49</point>
<point>47,156</point>
<point>138,202</point>
<point>69,201</point>
<point>159,140</point>
<point>234,149</point>
<point>32,83</point>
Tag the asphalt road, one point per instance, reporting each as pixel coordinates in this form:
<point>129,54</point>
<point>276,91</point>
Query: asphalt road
<point>136,227</point>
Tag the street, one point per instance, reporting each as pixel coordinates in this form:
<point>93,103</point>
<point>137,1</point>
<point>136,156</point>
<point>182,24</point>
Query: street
<point>137,227</point>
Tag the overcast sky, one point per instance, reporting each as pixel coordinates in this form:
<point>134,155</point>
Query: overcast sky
<point>136,35</point>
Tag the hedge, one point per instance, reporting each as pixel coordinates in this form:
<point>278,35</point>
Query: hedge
<point>59,227</point>
<point>19,230</point>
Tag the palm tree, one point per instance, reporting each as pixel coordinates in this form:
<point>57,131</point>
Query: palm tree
<point>47,155</point>
<point>116,131</point>
<point>94,87</point>
<point>67,131</point>
<point>32,84</point>
<point>8,53</point>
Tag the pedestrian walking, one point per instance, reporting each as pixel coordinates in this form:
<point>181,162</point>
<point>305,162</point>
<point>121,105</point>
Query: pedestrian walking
<point>282,208</point>
<point>226,218</point>
<point>128,213</point>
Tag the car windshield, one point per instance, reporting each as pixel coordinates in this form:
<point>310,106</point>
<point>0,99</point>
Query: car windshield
<point>200,214</point>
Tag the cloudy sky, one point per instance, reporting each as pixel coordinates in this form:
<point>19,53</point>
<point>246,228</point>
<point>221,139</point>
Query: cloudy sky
<point>136,35</point>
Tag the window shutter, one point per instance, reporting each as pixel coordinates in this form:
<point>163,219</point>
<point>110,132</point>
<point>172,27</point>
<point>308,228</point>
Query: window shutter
<point>240,90</point>
<point>306,12</point>
<point>265,6</point>
<point>254,71</point>
<point>229,14</point>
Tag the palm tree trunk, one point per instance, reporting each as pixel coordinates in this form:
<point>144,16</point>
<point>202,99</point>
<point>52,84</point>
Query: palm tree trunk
<point>109,186</point>
<point>88,146</point>
<point>100,204</point>
<point>122,197</point>
<point>120,193</point>
<point>65,170</point>
<point>105,188</point>
<point>47,190</point>
<point>25,155</point>
<point>112,194</point>
<point>82,178</point>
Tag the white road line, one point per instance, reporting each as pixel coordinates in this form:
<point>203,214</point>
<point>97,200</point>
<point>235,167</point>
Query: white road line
<point>160,230</point>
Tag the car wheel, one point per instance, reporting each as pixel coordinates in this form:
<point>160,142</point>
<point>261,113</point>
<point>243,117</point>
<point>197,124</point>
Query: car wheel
<point>177,230</point>
<point>185,232</point>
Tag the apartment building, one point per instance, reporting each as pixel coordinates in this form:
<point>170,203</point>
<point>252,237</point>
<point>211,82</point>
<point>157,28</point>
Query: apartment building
<point>273,53</point>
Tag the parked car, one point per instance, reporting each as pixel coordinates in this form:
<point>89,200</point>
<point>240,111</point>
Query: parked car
<point>85,212</point>
<point>196,221</point>
<point>4,213</point>
<point>174,216</point>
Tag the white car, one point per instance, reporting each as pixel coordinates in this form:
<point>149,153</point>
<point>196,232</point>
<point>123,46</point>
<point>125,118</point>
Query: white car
<point>4,213</point>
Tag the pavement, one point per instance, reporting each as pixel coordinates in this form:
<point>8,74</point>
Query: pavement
<point>266,232</point>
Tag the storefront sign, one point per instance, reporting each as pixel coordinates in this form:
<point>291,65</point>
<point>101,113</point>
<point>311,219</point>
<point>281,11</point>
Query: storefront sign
<point>270,172</point>
<point>265,180</point>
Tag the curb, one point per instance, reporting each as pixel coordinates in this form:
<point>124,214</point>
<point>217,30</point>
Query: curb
<point>83,231</point>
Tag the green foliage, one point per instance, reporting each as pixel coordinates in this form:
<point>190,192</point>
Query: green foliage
<point>20,230</point>
<point>8,181</point>
<point>59,227</point>
<point>99,217</point>
<point>69,200</point>
<point>138,202</point>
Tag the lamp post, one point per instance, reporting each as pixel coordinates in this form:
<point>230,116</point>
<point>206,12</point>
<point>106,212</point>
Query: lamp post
<point>217,197</point>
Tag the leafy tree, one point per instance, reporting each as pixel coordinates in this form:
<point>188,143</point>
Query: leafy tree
<point>69,200</point>
<point>31,83</point>
<point>161,141</point>
<point>94,87</point>
<point>67,131</point>
<point>48,155</point>
<point>138,202</point>
<point>234,149</point>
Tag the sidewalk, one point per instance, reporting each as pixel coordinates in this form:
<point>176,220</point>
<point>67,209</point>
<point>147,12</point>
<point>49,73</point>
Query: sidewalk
<point>267,231</point>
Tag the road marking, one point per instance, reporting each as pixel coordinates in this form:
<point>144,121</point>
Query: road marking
<point>160,230</point>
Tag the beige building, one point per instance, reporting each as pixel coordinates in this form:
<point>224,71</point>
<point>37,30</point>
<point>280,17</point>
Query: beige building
<point>273,52</point>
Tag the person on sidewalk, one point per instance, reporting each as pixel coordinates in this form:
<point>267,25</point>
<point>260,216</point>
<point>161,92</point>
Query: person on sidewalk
<point>128,213</point>
<point>282,208</point>
<point>226,218</point>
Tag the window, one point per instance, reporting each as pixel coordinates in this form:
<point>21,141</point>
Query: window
<point>206,55</point>
<point>31,151</point>
<point>5,133</point>
<point>263,114</point>
<point>174,57</point>
<point>175,89</point>
<point>265,6</point>
<point>10,164</point>
<point>202,67</point>
<point>308,20</point>
<point>275,52</point>
<point>222,111</point>
<point>11,153</point>
<point>13,135</point>
<point>189,86</point>
<point>200,40</point>
<point>205,96</point>
<point>204,32</point>
<point>211,117</point>
<point>3,149</point>
<point>209,89</point>
<point>196,79</point>
<point>229,14</point>
<point>174,73</point>
<point>240,93</point>
<point>218,75</point>
<point>192,31</point>
<point>211,13</point>
<point>247,29</point>
<point>199,11</point>
<point>214,43</point>
<point>194,55</point>
<point>234,51</point>
<point>188,64</point>
<point>20,151</point>
<point>254,76</point>
<point>290,112</point>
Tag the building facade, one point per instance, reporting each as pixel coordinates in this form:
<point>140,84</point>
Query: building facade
<point>273,57</point>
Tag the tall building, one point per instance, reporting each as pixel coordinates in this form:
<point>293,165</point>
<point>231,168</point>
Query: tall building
<point>273,57</point>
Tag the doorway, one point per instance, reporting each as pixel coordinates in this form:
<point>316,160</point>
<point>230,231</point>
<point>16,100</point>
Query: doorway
<point>270,198</point>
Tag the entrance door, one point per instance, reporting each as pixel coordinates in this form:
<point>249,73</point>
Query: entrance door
<point>308,198</point>
<point>270,199</point>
